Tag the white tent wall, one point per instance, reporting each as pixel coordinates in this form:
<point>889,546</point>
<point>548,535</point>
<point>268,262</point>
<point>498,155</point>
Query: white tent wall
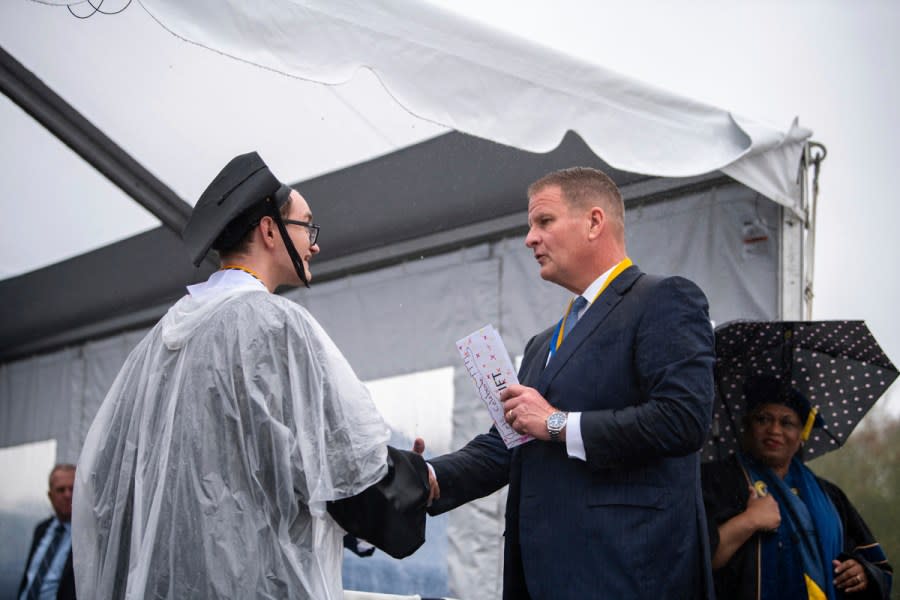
<point>406,318</point>
<point>55,396</point>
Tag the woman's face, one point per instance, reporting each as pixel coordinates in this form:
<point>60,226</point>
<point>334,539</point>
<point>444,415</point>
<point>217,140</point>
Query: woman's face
<point>774,435</point>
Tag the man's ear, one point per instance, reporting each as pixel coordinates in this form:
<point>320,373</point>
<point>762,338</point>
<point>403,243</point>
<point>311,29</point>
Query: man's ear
<point>267,228</point>
<point>598,222</point>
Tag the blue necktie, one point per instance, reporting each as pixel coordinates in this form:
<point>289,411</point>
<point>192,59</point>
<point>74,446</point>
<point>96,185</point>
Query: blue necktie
<point>577,306</point>
<point>34,591</point>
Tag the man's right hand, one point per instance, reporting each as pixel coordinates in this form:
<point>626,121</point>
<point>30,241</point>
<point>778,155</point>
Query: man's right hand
<point>435,489</point>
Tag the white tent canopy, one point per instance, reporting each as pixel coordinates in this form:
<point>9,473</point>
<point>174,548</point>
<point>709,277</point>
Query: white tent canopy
<point>400,77</point>
<point>181,110</point>
<point>478,81</point>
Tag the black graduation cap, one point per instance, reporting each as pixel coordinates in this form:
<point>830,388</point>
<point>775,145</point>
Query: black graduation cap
<point>767,389</point>
<point>240,195</point>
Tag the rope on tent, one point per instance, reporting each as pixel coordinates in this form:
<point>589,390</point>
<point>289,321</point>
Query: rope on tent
<point>96,8</point>
<point>817,153</point>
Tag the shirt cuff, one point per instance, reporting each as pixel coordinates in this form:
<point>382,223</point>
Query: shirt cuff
<point>574,443</point>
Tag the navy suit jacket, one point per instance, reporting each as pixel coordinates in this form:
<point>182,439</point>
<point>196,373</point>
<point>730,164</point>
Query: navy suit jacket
<point>66,589</point>
<point>629,521</point>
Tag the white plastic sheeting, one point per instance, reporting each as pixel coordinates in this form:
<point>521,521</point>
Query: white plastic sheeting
<point>477,80</point>
<point>228,428</point>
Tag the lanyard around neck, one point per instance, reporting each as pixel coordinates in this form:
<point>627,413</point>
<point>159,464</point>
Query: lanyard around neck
<point>240,268</point>
<point>624,264</point>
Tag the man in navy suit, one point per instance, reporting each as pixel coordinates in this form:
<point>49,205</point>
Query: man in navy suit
<point>48,570</point>
<point>605,502</point>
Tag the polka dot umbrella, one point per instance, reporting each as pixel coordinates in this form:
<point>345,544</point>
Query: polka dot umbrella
<point>837,365</point>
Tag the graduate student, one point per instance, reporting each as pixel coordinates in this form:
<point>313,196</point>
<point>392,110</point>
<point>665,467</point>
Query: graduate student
<point>235,424</point>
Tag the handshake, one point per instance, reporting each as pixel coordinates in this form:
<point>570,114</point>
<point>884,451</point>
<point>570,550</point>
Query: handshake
<point>391,514</point>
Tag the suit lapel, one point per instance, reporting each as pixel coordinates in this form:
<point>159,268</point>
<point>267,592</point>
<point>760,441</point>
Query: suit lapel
<point>593,317</point>
<point>533,362</point>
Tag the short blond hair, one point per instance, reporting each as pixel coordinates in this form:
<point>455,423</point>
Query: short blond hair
<point>583,187</point>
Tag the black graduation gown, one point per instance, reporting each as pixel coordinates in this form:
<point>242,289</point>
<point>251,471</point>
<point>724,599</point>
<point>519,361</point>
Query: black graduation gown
<point>390,515</point>
<point>725,491</point>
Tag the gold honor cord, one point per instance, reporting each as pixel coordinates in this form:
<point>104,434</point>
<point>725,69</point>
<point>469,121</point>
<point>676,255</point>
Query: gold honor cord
<point>240,268</point>
<point>810,421</point>
<point>812,589</point>
<point>624,264</point>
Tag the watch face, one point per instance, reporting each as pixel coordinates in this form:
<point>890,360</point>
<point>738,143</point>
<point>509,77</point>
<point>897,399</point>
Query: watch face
<point>556,421</point>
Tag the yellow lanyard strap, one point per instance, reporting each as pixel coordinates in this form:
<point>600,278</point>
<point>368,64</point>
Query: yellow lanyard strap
<point>624,264</point>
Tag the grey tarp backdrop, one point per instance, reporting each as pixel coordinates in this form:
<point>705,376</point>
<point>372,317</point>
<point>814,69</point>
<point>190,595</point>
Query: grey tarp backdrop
<point>420,246</point>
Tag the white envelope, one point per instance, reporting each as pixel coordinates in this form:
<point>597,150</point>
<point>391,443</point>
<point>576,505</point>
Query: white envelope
<point>487,362</point>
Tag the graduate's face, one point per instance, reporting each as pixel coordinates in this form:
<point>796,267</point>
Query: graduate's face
<point>558,236</point>
<point>774,435</point>
<point>60,494</point>
<point>300,211</point>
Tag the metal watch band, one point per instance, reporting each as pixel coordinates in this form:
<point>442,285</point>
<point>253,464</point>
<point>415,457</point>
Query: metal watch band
<point>554,429</point>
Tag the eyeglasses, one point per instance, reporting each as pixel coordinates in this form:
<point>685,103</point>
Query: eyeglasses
<point>312,228</point>
<point>767,420</point>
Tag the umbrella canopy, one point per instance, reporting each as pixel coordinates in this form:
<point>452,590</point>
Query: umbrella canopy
<point>837,365</point>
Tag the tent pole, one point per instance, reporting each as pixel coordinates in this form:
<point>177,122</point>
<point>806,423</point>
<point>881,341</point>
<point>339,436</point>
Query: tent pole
<point>813,155</point>
<point>91,144</point>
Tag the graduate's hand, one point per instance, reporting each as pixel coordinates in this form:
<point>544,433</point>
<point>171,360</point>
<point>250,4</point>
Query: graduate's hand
<point>526,410</point>
<point>850,576</point>
<point>763,510</point>
<point>434,488</point>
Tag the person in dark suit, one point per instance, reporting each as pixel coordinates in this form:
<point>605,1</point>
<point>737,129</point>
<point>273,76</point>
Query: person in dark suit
<point>606,501</point>
<point>48,570</point>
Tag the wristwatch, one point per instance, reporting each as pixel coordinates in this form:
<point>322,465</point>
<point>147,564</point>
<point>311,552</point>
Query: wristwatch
<point>555,424</point>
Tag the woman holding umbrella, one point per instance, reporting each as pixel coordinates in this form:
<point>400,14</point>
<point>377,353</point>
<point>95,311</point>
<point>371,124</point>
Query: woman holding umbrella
<point>777,530</point>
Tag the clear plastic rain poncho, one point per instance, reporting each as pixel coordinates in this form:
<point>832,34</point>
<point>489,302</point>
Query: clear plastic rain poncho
<point>206,471</point>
